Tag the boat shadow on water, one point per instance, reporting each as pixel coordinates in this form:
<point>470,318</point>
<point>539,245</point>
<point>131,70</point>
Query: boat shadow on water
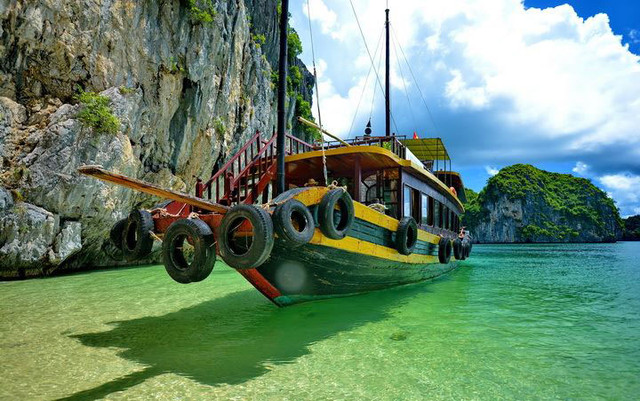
<point>232,339</point>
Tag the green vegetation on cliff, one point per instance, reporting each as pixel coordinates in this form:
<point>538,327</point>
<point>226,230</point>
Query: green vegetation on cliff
<point>541,206</point>
<point>96,113</point>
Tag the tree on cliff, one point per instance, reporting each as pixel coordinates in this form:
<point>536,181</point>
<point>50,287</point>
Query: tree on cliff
<point>525,204</point>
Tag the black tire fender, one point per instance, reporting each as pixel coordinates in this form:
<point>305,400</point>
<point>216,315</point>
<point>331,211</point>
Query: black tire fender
<point>327,216</point>
<point>199,235</point>
<point>117,232</point>
<point>444,250</point>
<point>407,235</point>
<point>136,240</point>
<point>458,249</point>
<point>262,240</point>
<point>293,222</point>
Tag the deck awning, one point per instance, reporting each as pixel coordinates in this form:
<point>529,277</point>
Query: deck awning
<point>427,148</point>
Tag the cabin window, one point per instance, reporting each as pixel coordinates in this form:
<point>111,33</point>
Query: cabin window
<point>383,186</point>
<point>407,201</point>
<point>424,213</point>
<point>437,213</point>
<point>440,215</point>
<point>430,211</point>
<point>445,217</point>
<point>411,203</point>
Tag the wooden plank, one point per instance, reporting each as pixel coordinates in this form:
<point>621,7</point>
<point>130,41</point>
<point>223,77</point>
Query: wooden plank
<point>104,175</point>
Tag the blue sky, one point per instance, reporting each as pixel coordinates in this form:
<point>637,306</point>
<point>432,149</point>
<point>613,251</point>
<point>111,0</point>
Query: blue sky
<point>543,82</point>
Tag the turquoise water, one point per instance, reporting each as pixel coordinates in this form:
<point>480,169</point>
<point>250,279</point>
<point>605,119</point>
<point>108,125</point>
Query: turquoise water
<point>513,322</point>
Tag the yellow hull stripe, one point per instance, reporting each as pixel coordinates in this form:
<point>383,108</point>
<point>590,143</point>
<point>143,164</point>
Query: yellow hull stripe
<point>354,245</point>
<point>313,195</point>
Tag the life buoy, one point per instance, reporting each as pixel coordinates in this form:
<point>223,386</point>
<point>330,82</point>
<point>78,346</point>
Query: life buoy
<point>242,251</point>
<point>176,262</point>
<point>136,240</point>
<point>293,222</point>
<point>458,249</point>
<point>335,223</point>
<point>407,235</point>
<point>453,191</point>
<point>444,250</point>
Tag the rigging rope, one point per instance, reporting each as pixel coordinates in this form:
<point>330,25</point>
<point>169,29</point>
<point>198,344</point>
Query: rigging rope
<point>404,84</point>
<point>315,77</point>
<point>355,14</point>
<point>433,121</point>
<point>373,98</point>
<point>364,87</point>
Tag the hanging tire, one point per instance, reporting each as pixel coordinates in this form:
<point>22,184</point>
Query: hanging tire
<point>332,225</point>
<point>444,250</point>
<point>407,235</point>
<point>459,249</point>
<point>293,222</point>
<point>117,232</point>
<point>250,254</point>
<point>136,240</point>
<point>181,266</point>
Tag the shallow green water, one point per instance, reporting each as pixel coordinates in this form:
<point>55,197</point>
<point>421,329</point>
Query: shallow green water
<point>513,322</point>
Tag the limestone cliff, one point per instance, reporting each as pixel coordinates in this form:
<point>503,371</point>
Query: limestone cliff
<point>188,81</point>
<point>524,204</point>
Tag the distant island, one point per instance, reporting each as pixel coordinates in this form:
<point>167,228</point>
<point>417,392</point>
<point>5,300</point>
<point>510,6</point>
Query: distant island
<point>632,228</point>
<point>524,204</point>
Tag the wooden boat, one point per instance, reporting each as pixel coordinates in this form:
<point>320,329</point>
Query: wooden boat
<point>390,218</point>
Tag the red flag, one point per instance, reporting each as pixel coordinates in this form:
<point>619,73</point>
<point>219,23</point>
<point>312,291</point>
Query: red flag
<point>415,135</point>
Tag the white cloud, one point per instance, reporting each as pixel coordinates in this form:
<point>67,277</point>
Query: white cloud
<point>491,170</point>
<point>622,182</point>
<point>543,84</point>
<point>324,16</point>
<point>624,188</point>
<point>581,168</point>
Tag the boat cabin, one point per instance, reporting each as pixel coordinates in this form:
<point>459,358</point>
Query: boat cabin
<point>403,177</point>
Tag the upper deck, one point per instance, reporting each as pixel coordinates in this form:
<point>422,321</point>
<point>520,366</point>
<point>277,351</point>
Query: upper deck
<point>386,170</point>
<point>425,159</point>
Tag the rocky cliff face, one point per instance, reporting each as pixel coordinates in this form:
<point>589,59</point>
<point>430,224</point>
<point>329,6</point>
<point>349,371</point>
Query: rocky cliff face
<point>524,204</point>
<point>188,87</point>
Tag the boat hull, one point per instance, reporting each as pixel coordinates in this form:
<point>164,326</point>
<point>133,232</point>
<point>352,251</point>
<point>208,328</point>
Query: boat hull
<point>365,260</point>
<point>312,272</point>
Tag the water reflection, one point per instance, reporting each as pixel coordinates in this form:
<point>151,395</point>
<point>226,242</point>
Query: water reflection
<point>234,338</point>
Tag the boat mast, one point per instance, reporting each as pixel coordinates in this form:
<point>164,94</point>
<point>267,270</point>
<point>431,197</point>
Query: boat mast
<point>387,106</point>
<point>282,93</point>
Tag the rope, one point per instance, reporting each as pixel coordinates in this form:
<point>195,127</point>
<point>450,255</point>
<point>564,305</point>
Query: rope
<point>355,14</point>
<point>404,84</point>
<point>433,121</point>
<point>315,77</point>
<point>364,87</point>
<point>373,98</point>
<point>365,43</point>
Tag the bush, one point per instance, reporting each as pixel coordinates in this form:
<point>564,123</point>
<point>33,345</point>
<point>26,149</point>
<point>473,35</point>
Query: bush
<point>202,11</point>
<point>96,113</point>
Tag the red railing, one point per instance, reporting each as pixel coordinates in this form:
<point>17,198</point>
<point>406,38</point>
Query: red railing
<point>248,173</point>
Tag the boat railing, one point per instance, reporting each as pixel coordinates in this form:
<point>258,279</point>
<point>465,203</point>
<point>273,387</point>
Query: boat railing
<point>391,143</point>
<point>249,164</point>
<point>296,145</point>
